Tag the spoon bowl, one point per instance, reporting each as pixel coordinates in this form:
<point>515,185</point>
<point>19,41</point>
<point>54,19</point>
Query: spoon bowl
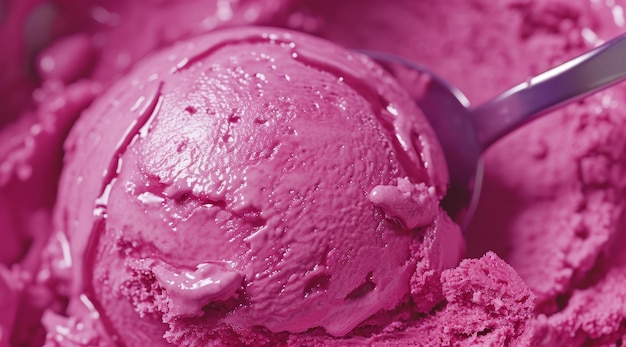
<point>465,132</point>
<point>448,112</point>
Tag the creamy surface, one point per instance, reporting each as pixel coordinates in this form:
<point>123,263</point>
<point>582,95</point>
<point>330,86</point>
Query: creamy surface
<point>252,179</point>
<point>552,195</point>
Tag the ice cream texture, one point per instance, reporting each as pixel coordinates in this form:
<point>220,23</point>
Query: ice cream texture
<point>250,179</point>
<point>552,207</point>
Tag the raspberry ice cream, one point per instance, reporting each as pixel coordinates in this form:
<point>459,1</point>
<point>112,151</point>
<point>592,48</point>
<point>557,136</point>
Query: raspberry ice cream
<point>552,205</point>
<point>52,67</point>
<point>59,55</point>
<point>253,181</point>
<point>563,178</point>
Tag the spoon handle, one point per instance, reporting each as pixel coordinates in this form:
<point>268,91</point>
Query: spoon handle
<point>568,82</point>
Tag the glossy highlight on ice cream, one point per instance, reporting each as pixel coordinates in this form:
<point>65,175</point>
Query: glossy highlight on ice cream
<point>252,182</point>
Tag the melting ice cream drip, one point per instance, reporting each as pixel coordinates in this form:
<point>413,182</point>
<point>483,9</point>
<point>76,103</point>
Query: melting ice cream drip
<point>414,205</point>
<point>190,290</point>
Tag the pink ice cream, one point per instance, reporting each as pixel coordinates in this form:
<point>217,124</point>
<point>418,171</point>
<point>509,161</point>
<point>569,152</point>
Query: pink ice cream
<point>8,305</point>
<point>59,55</point>
<point>552,206</point>
<point>250,182</point>
<point>552,203</point>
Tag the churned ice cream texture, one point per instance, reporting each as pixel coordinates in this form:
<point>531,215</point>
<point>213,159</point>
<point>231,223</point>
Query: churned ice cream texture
<point>58,55</point>
<point>552,206</point>
<point>248,182</point>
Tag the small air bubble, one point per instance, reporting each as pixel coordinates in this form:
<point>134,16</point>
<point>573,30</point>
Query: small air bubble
<point>233,118</point>
<point>191,110</point>
<point>182,146</point>
<point>183,198</point>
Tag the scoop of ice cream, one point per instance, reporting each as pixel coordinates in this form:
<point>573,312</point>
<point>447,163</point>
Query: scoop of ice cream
<point>253,180</point>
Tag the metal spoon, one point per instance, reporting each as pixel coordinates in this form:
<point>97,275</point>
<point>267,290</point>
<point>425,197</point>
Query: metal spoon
<point>465,131</point>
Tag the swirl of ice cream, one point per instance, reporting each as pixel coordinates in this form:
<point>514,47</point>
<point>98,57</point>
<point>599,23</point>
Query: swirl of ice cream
<point>252,181</point>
